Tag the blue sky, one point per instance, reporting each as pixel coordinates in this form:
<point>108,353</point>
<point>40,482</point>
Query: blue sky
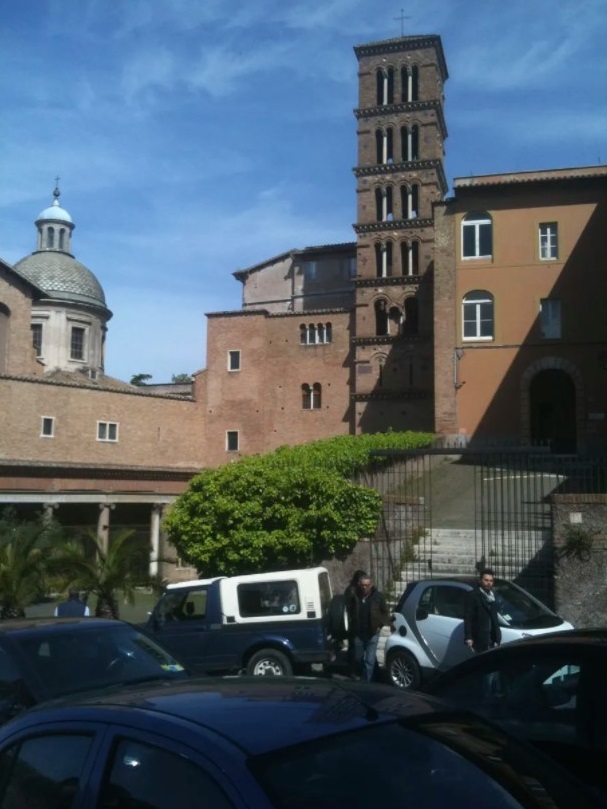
<point>194,138</point>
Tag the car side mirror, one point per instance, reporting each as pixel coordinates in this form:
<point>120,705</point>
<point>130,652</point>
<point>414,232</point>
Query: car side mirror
<point>421,614</point>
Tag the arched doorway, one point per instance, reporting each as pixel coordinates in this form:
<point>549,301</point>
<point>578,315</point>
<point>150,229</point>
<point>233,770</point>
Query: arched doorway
<point>553,411</point>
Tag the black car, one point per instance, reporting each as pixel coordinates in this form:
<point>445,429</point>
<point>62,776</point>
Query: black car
<point>278,742</point>
<point>550,690</point>
<point>47,658</point>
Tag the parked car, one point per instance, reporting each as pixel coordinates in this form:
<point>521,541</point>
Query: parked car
<point>41,659</point>
<point>428,630</point>
<point>262,623</point>
<point>255,742</point>
<point>550,690</point>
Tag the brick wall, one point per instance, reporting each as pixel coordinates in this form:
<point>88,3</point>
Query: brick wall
<point>16,353</point>
<point>152,431</point>
<point>263,400</point>
<point>445,336</point>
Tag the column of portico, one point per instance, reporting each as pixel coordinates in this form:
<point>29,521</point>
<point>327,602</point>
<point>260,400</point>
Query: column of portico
<point>48,513</point>
<point>155,532</point>
<point>103,525</point>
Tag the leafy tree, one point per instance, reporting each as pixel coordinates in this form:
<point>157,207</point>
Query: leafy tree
<point>23,553</point>
<point>292,507</point>
<point>140,379</point>
<point>181,379</point>
<point>104,572</point>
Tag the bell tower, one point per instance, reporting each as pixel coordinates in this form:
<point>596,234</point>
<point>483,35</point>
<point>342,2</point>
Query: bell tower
<point>401,134</point>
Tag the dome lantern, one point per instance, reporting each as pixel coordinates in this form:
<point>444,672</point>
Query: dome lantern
<point>55,226</point>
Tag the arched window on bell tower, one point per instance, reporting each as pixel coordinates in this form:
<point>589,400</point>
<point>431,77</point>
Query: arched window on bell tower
<point>384,209</point>
<point>409,197</point>
<point>381,318</point>
<point>409,143</point>
<point>409,83</point>
<point>411,319</point>
<point>394,320</point>
<point>50,238</point>
<point>383,259</point>
<point>409,255</point>
<point>385,86</point>
<point>384,145</point>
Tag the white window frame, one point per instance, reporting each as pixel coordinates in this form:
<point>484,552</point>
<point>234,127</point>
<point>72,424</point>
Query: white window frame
<point>311,396</point>
<point>313,334</point>
<point>38,329</point>
<point>84,331</point>
<point>44,420</point>
<point>550,318</point>
<point>107,432</point>
<point>234,360</point>
<point>548,235</point>
<point>476,305</point>
<point>475,221</point>
<point>235,433</point>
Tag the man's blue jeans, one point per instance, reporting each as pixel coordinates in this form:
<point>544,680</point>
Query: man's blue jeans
<point>365,654</point>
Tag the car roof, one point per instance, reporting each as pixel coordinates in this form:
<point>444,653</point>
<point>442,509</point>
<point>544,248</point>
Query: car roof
<point>596,636</point>
<point>54,624</point>
<point>256,714</point>
<point>566,640</point>
<point>471,580</point>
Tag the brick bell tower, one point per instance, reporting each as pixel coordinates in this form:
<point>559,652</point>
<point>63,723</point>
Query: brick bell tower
<point>401,132</point>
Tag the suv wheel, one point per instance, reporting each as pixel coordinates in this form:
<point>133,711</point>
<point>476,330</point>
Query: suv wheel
<point>269,663</point>
<point>403,669</point>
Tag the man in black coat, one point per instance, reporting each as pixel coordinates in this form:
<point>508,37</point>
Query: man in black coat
<point>481,624</point>
<point>367,613</point>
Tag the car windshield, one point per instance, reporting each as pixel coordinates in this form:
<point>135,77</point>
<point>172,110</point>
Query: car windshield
<point>67,660</point>
<point>520,610</point>
<point>440,762</point>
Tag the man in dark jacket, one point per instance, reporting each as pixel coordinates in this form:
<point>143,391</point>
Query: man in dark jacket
<point>73,607</point>
<point>367,613</point>
<point>481,624</point>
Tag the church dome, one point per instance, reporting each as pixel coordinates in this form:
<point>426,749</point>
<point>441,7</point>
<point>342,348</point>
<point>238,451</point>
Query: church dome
<point>55,213</point>
<point>60,276</point>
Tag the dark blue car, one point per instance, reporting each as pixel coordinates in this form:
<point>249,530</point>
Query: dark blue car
<point>269,742</point>
<point>42,659</point>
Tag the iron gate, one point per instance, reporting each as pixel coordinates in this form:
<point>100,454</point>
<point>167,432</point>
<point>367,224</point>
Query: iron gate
<point>452,512</point>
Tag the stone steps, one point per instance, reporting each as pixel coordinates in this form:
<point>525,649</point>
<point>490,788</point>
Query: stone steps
<point>455,552</point>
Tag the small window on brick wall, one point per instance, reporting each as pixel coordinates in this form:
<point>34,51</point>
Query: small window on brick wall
<point>232,441</point>
<point>315,333</point>
<point>233,360</point>
<point>107,431</point>
<point>47,427</point>
<point>311,396</point>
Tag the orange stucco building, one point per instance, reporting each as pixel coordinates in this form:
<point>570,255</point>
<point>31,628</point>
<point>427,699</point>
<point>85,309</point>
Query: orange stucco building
<point>521,309</point>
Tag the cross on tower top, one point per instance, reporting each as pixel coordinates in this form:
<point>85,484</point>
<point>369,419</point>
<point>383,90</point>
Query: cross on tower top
<point>402,19</point>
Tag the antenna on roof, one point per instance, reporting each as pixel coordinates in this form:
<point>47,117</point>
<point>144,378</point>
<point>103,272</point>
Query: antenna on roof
<point>402,19</point>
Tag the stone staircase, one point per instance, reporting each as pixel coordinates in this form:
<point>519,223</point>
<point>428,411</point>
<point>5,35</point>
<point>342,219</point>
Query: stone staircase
<point>446,552</point>
<point>457,552</point>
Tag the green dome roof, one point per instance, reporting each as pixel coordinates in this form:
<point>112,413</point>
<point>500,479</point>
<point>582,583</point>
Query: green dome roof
<point>62,277</point>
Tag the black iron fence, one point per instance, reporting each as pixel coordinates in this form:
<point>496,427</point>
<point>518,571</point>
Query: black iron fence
<point>452,512</point>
